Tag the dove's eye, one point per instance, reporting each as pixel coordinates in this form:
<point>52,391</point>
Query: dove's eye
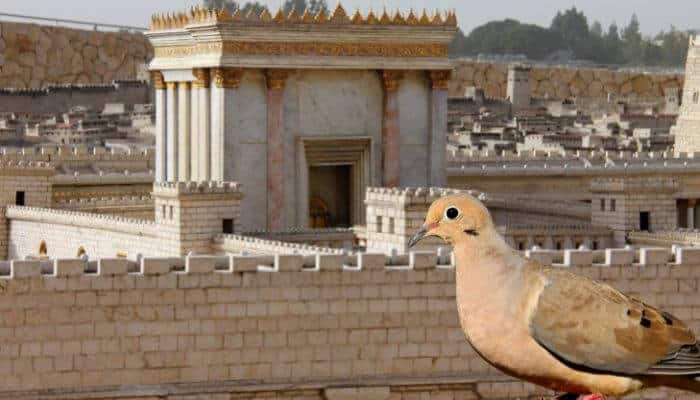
<point>451,213</point>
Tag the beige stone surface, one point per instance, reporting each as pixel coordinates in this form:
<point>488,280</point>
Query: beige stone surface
<point>562,82</point>
<point>38,55</point>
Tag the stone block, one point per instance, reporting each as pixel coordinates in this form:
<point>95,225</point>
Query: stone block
<point>371,261</point>
<point>112,266</point>
<point>653,255</point>
<point>25,269</point>
<point>687,256</point>
<point>288,262</point>
<point>545,257</point>
<point>422,259</point>
<point>156,266</point>
<point>200,264</point>
<point>329,262</point>
<point>355,393</point>
<point>577,257</point>
<point>69,267</point>
<point>245,263</point>
<point>619,257</point>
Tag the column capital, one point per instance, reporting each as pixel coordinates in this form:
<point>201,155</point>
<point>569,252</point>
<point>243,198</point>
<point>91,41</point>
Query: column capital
<point>183,85</point>
<point>157,80</point>
<point>171,85</point>
<point>391,79</point>
<point>202,78</point>
<point>228,78</point>
<point>440,79</point>
<point>276,78</point>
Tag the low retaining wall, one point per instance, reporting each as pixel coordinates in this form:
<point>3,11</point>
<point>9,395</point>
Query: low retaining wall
<point>288,326</point>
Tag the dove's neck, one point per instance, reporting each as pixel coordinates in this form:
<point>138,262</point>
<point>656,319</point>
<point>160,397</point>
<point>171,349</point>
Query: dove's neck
<point>487,273</point>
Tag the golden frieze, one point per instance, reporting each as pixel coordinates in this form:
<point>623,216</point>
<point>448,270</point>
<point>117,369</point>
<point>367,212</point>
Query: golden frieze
<point>317,49</point>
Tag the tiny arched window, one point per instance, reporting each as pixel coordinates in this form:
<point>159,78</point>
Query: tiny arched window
<point>42,248</point>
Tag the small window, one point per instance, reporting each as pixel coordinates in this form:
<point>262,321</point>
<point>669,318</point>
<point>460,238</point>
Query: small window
<point>19,198</point>
<point>602,204</point>
<point>379,223</point>
<point>521,246</point>
<point>696,96</point>
<point>612,204</point>
<point>163,211</point>
<point>595,245</point>
<point>391,225</point>
<point>227,225</point>
<point>558,246</point>
<point>644,221</point>
<point>171,212</point>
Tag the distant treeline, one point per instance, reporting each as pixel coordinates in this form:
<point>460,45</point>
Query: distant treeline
<point>570,37</point>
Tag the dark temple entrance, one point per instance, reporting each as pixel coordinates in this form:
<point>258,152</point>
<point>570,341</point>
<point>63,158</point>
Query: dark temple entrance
<point>329,196</point>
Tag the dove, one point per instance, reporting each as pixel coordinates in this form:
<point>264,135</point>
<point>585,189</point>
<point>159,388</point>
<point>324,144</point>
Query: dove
<point>551,327</point>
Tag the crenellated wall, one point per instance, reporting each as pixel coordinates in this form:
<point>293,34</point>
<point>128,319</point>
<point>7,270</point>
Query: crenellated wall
<point>288,326</point>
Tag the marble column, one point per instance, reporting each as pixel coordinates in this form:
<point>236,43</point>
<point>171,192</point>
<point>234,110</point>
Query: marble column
<point>437,165</point>
<point>161,113</point>
<point>171,132</point>
<point>691,214</point>
<point>194,133</point>
<point>390,130</point>
<point>226,81</point>
<point>204,132</point>
<point>183,137</point>
<point>275,80</point>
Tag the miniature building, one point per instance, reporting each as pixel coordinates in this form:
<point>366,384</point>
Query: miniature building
<point>687,129</point>
<point>518,89</point>
<point>284,103</point>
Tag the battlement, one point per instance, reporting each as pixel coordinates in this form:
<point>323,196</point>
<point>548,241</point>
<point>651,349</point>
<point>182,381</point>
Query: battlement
<point>102,201</point>
<point>72,87</point>
<point>331,261</point>
<point>199,16</point>
<point>249,244</point>
<point>410,195</point>
<point>196,188</point>
<point>635,184</point>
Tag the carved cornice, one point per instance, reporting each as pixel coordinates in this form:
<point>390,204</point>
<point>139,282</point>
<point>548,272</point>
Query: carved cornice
<point>276,78</point>
<point>228,78</point>
<point>202,78</point>
<point>391,80</point>
<point>157,80</point>
<point>198,15</point>
<point>313,49</point>
<point>440,79</point>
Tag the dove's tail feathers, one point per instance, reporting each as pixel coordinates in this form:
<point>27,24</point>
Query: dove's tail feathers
<point>684,361</point>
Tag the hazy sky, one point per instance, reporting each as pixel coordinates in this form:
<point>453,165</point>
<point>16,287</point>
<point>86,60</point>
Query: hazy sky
<point>654,15</point>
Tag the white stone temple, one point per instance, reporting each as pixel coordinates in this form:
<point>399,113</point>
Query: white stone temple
<point>305,111</point>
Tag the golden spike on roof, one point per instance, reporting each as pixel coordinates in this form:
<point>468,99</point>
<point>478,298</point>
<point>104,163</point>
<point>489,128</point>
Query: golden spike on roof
<point>339,15</point>
<point>451,18</point>
<point>357,18</point>
<point>399,19</point>
<point>321,17</point>
<point>237,14</point>
<point>293,16</point>
<point>424,19</point>
<point>308,17</point>
<point>251,15</point>
<point>279,17</point>
<point>225,14</point>
<point>411,19</point>
<point>385,19</point>
<point>437,19</point>
<point>371,18</point>
<point>265,15</point>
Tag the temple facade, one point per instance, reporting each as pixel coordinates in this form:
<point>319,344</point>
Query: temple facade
<point>305,111</point>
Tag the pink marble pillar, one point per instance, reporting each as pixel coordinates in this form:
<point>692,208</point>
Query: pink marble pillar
<point>390,130</point>
<point>275,148</point>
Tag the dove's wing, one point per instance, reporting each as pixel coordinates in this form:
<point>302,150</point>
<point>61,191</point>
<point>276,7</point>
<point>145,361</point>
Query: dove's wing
<point>592,326</point>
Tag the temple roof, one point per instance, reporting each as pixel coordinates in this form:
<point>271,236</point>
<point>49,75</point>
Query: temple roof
<point>198,15</point>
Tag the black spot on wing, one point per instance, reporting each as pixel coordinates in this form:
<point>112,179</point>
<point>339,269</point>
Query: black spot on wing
<point>645,322</point>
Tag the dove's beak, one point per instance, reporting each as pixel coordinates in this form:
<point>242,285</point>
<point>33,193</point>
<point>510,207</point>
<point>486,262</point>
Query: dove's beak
<point>426,231</point>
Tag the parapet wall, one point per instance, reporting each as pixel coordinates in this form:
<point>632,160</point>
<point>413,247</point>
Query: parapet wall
<point>563,82</point>
<point>35,56</point>
<point>216,326</point>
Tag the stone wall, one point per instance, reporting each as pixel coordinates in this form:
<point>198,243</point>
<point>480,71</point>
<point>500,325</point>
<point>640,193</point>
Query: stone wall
<point>562,82</point>
<point>291,330</point>
<point>34,56</point>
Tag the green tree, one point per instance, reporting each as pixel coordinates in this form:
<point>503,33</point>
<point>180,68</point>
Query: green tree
<point>232,5</point>
<point>300,6</point>
<point>596,29</point>
<point>511,37</point>
<point>612,45</point>
<point>633,50</point>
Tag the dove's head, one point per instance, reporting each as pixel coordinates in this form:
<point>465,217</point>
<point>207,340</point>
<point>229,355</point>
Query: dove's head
<point>455,219</point>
